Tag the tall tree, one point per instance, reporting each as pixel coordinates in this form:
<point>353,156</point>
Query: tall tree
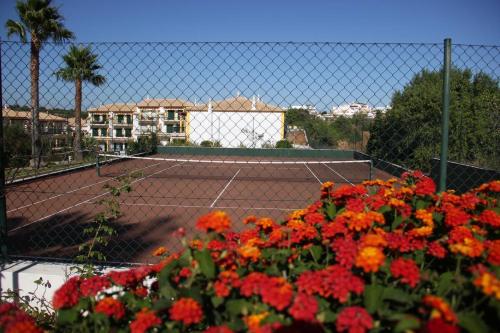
<point>42,21</point>
<point>409,133</point>
<point>81,66</point>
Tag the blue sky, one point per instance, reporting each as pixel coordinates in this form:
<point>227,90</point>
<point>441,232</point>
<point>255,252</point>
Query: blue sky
<point>283,74</point>
<point>465,21</point>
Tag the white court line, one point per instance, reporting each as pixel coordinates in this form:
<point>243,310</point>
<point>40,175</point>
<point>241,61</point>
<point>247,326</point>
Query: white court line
<point>78,189</point>
<point>347,180</point>
<point>313,174</point>
<point>225,187</point>
<point>98,196</point>
<point>201,206</point>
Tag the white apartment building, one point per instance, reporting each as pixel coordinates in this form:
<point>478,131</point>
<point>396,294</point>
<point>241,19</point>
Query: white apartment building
<point>236,122</point>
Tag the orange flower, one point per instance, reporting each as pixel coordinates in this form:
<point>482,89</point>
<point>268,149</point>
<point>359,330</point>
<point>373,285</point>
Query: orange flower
<point>440,309</point>
<point>297,214</point>
<point>370,258</point>
<point>248,251</point>
<point>424,216</point>
<point>196,244</point>
<point>361,221</point>
<point>470,247</point>
<point>217,221</point>
<point>250,219</point>
<point>489,284</point>
<point>253,321</point>
<point>265,223</point>
<point>159,251</point>
<point>396,203</point>
<point>373,240</point>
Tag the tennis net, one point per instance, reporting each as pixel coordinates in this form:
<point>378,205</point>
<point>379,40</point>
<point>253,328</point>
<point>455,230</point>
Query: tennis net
<point>315,170</point>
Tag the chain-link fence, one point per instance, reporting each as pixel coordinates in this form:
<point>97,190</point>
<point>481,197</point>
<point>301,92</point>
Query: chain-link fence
<point>249,128</point>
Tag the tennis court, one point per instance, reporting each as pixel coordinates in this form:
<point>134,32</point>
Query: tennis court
<point>45,218</point>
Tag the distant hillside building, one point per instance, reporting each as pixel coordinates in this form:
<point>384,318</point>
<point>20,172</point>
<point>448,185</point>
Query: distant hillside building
<point>356,108</point>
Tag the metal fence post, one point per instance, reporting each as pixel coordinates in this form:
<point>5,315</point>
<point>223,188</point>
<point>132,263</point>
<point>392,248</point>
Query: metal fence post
<point>3,206</point>
<point>443,162</point>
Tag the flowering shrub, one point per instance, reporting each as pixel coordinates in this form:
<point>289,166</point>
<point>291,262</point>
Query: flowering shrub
<point>384,255</point>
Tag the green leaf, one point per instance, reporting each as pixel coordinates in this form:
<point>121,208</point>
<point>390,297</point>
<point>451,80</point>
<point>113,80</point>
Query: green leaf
<point>472,323</point>
<point>445,283</point>
<point>330,210</point>
<point>168,292</point>
<point>207,265</point>
<point>384,209</point>
<point>216,301</point>
<point>437,217</point>
<point>406,324</point>
<point>238,306</point>
<point>316,252</point>
<point>67,316</point>
<point>398,219</point>
<point>326,316</point>
<point>421,204</point>
<point>397,295</point>
<point>373,297</point>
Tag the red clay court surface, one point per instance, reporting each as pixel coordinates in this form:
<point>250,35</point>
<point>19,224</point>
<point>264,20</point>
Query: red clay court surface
<point>46,216</point>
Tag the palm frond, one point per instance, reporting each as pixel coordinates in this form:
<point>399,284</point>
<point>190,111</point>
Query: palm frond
<point>16,28</point>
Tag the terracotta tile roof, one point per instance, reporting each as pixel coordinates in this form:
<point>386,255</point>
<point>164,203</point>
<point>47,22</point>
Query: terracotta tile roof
<point>26,115</point>
<point>115,107</point>
<point>164,102</point>
<point>239,104</point>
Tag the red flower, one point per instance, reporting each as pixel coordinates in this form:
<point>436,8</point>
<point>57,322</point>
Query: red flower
<point>68,295</point>
<point>437,325</point>
<point>493,252</point>
<point>334,281</point>
<point>314,218</point>
<point>144,320</point>
<point>93,285</point>
<point>110,307</point>
<point>355,204</point>
<point>437,250</point>
<point>407,270</point>
<point>455,216</point>
<point>218,329</point>
<point>123,278</point>
<point>304,307</point>
<point>354,319</point>
<point>186,310</point>
<point>346,250</point>
<point>490,217</point>
<point>425,186</point>
<point>15,320</point>
<point>277,293</point>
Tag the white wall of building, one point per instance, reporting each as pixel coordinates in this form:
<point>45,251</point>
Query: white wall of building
<point>236,129</point>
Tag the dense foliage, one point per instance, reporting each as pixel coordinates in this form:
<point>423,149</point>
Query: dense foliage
<point>381,256</point>
<point>341,132</point>
<point>410,133</point>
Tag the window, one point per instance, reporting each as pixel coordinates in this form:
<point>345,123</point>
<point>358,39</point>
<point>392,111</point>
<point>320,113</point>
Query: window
<point>119,132</point>
<point>173,128</point>
<point>171,115</point>
<point>128,132</point>
<point>95,132</point>
<point>129,119</point>
<point>104,132</point>
<point>120,118</point>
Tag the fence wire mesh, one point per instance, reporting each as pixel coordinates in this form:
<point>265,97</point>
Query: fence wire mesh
<point>249,128</point>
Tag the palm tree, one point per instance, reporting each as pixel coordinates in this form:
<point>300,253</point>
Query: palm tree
<point>42,22</point>
<point>81,65</point>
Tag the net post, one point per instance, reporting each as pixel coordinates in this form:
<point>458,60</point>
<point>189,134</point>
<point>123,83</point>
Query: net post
<point>98,169</point>
<point>443,163</point>
<point>371,169</point>
<point>3,204</point>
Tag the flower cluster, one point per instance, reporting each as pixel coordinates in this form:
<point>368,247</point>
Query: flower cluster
<point>382,254</point>
<point>15,320</point>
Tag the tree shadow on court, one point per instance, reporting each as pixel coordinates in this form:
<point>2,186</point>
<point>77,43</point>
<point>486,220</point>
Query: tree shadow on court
<point>60,236</point>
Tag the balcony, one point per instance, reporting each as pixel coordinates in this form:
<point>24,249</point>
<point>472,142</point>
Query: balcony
<point>147,121</point>
<point>99,124</point>
<point>122,124</point>
<point>171,121</point>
